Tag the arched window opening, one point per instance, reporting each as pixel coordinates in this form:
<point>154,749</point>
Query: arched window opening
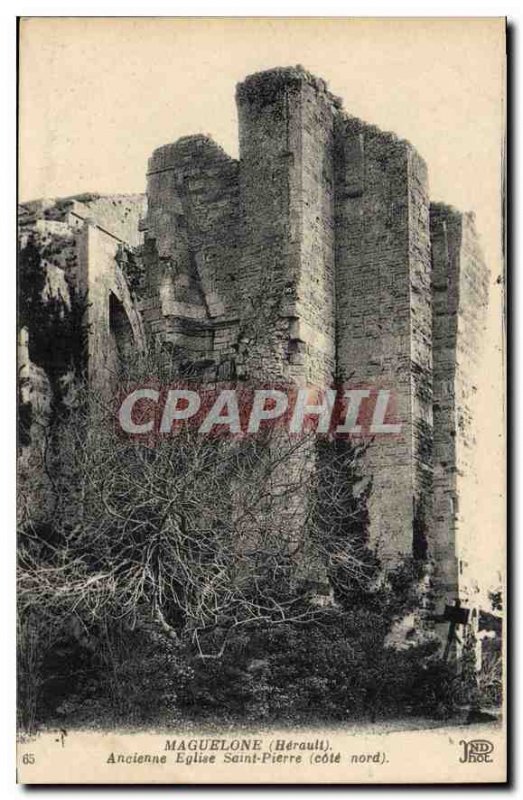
<point>120,330</point>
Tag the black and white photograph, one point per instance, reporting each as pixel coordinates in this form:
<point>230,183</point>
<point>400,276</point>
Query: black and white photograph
<point>261,453</point>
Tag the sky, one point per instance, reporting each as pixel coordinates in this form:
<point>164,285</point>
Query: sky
<point>97,95</point>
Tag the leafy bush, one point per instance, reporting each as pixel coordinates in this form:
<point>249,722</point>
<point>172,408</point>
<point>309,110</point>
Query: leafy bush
<point>337,668</point>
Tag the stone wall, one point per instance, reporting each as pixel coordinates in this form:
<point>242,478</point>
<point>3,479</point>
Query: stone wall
<point>112,317</point>
<point>83,253</point>
<point>383,308</point>
<point>286,122</point>
<point>191,249</point>
<point>118,214</point>
<point>309,260</point>
<point>460,291</point>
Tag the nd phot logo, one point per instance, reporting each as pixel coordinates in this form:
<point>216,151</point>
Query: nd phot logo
<point>476,751</point>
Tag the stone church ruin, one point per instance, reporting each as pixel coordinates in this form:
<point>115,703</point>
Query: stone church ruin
<point>315,258</point>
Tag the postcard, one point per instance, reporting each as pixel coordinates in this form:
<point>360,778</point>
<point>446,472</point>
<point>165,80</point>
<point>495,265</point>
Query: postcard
<point>261,401</point>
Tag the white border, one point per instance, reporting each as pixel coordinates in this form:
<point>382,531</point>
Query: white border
<point>8,13</point>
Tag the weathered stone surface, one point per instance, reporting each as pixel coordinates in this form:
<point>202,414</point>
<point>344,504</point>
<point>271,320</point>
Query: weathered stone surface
<point>315,258</point>
<point>460,292</point>
<point>384,313</point>
<point>81,240</point>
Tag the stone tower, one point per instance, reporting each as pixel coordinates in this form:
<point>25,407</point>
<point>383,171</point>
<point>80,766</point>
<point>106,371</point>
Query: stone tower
<point>307,261</point>
<point>316,259</point>
<point>460,296</point>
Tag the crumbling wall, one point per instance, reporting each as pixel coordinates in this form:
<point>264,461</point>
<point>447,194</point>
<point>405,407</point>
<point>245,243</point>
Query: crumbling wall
<point>309,260</point>
<point>286,119</point>
<point>118,215</point>
<point>383,314</point>
<point>103,283</point>
<point>460,296</point>
<point>314,330</point>
<point>191,249</point>
<point>82,263</point>
<point>270,245</point>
